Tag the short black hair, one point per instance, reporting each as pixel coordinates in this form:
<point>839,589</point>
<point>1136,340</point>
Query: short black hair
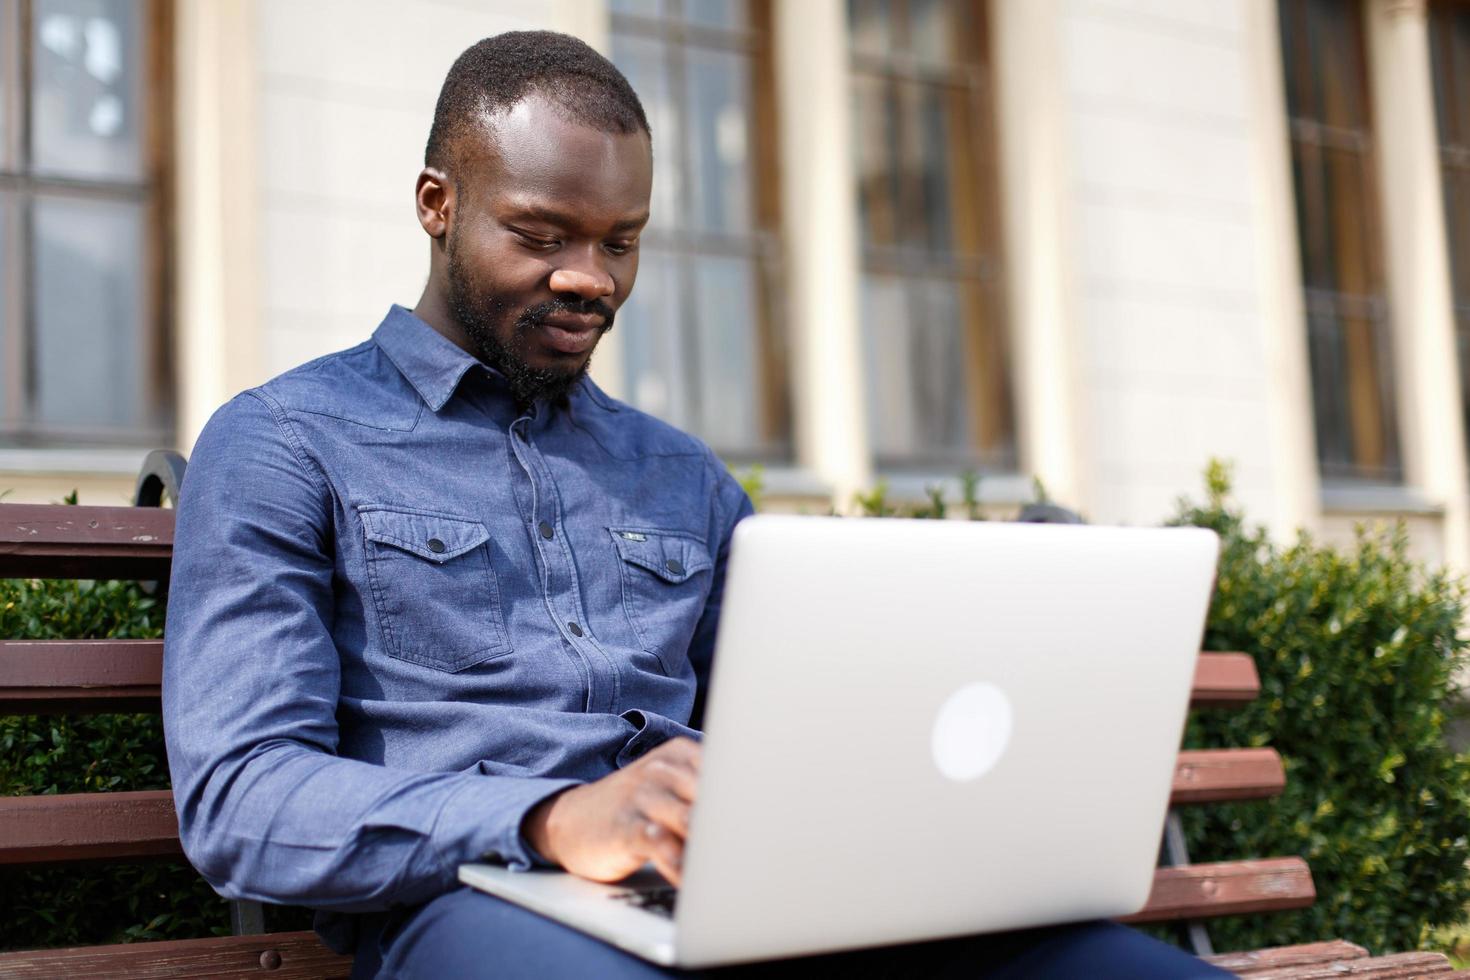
<point>500,71</point>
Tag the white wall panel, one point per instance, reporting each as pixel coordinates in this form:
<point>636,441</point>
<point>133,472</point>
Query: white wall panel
<point>346,96</point>
<point>1172,366</point>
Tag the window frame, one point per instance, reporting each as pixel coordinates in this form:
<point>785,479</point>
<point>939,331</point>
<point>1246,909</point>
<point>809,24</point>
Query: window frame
<point>1310,141</point>
<point>154,190</point>
<point>762,245</point>
<point>982,270</point>
<point>1453,150</point>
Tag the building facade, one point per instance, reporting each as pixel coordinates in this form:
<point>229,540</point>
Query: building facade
<point>1091,242</point>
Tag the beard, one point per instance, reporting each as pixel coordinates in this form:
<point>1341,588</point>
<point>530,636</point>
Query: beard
<point>483,316</point>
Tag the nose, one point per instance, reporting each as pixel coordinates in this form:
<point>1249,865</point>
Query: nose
<point>589,280</point>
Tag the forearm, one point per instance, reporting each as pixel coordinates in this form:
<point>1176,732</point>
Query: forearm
<point>286,823</point>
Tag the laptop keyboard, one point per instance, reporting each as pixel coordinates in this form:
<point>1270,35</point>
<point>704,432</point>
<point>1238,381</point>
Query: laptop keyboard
<point>659,901</point>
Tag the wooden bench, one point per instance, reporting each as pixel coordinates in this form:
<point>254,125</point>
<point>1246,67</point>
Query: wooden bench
<point>94,676</point>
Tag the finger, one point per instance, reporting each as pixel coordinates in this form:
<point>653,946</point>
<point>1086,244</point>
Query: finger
<point>665,808</point>
<point>664,850</point>
<point>668,774</point>
<point>682,751</point>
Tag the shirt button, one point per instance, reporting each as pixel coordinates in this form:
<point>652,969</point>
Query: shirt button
<point>674,566</point>
<point>546,531</point>
<point>436,546</point>
<point>576,630</point>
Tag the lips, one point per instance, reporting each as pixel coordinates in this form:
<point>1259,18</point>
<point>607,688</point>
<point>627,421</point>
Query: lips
<point>571,333</point>
<point>573,322</point>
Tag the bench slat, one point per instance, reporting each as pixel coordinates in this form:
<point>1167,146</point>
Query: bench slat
<point>50,541</point>
<point>87,827</point>
<point>1305,954</point>
<point>1213,775</point>
<point>1395,966</point>
<point>281,956</point>
<point>88,676</point>
<point>1202,891</point>
<point>1225,680</point>
<point>79,676</point>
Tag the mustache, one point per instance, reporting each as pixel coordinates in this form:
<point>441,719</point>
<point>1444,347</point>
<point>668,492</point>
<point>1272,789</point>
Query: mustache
<point>534,314</point>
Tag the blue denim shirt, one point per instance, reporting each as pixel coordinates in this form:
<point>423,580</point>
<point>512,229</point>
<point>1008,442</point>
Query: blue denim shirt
<point>402,613</point>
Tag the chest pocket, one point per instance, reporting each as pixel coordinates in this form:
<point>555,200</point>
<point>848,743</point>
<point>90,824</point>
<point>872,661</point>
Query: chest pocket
<point>435,590</point>
<point>666,579</point>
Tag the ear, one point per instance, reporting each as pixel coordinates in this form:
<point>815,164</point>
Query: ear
<point>434,199</point>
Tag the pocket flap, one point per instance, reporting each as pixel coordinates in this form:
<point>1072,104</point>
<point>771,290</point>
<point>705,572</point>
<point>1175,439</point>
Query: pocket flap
<point>433,537</point>
<point>672,557</point>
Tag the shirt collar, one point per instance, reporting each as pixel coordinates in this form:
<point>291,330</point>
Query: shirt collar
<point>435,365</point>
<point>431,362</point>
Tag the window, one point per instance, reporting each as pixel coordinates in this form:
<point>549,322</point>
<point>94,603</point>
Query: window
<point>84,89</point>
<point>702,341</point>
<point>1337,223</point>
<point>937,362</point>
<point>1449,49</point>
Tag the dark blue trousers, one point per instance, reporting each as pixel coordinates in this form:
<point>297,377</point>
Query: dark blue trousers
<point>468,934</point>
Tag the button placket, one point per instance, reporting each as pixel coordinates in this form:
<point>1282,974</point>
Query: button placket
<point>562,590</point>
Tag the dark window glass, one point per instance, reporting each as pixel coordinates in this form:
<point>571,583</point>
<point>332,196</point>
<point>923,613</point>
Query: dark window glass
<point>701,338</point>
<point>83,340</point>
<point>937,362</point>
<point>1326,74</point>
<point>1449,47</point>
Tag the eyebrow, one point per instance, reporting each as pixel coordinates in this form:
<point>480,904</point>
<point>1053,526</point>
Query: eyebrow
<point>550,215</point>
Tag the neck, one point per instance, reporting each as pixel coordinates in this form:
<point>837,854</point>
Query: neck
<point>433,309</point>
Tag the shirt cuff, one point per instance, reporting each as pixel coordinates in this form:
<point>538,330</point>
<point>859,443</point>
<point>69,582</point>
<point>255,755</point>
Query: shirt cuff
<point>653,731</point>
<point>482,821</point>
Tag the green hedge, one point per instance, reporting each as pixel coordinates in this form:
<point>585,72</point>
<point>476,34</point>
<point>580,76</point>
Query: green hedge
<point>89,904</point>
<point>1357,651</point>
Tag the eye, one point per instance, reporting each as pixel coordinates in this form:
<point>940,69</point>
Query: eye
<point>621,248</point>
<point>536,243</point>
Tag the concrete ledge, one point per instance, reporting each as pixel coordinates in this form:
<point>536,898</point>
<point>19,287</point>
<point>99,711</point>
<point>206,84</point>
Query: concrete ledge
<point>1373,498</point>
<point>72,462</point>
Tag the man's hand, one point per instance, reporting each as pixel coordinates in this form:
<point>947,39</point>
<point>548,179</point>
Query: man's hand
<point>608,829</point>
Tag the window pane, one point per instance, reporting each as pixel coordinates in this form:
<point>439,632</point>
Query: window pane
<point>1355,434</point>
<point>1341,88</point>
<point>914,346</point>
<point>877,171</point>
<point>719,111</point>
<point>725,291</point>
<point>729,14</point>
<point>91,342</point>
<point>650,324</point>
<point>1457,224</point>
<point>940,148</point>
<point>87,98</point>
<point>1347,232</point>
<point>870,23</point>
<point>935,30</point>
<point>9,288</point>
<point>1461,63</point>
<point>645,63</point>
<point>5,83</point>
<point>1329,394</point>
<point>638,8</point>
<point>1462,349</point>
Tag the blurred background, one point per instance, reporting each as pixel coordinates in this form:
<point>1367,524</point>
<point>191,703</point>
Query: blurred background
<point>1094,242</point>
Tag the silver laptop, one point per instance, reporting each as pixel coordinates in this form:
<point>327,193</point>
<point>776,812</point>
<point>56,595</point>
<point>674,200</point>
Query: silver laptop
<point>918,729</point>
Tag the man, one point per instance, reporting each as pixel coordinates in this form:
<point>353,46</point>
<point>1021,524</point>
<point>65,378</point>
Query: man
<point>444,600</point>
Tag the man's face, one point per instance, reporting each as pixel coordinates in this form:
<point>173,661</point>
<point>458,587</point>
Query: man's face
<point>543,246</point>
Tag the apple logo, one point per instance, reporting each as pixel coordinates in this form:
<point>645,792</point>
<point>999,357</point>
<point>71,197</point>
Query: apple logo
<point>971,731</point>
